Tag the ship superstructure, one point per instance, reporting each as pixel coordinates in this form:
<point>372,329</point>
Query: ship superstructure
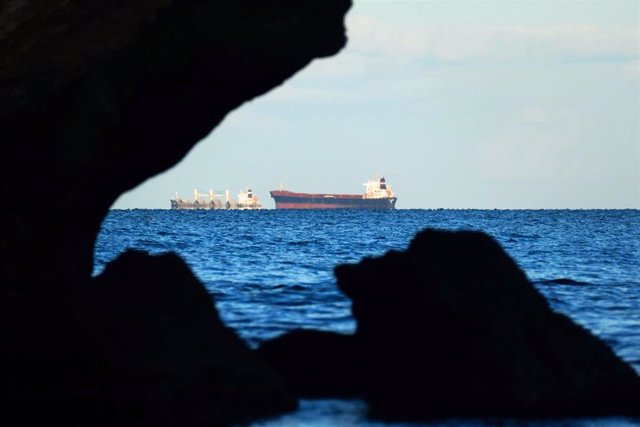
<point>248,200</point>
<point>378,195</point>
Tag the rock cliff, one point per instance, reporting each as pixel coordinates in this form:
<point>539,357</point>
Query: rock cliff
<point>95,98</point>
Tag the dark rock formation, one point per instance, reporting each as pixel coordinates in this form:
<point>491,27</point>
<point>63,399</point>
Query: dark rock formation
<point>96,97</point>
<point>166,349</point>
<point>452,327</point>
<point>160,356</point>
<point>315,363</point>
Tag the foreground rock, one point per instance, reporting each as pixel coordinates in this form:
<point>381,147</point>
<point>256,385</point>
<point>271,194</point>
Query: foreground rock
<point>95,98</point>
<point>315,363</point>
<point>161,356</point>
<point>177,358</point>
<point>453,328</point>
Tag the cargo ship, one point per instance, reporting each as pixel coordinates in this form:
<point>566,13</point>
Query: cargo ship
<point>378,195</point>
<point>245,200</point>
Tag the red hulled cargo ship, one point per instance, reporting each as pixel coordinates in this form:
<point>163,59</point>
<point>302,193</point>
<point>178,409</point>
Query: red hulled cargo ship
<point>378,195</point>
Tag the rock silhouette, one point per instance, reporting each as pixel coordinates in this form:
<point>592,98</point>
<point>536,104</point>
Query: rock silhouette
<point>315,363</point>
<point>167,353</point>
<point>452,327</point>
<point>96,97</point>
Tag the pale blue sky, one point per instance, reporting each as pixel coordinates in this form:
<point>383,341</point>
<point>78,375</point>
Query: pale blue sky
<point>460,104</point>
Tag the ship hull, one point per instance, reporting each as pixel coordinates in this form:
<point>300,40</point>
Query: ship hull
<point>290,200</point>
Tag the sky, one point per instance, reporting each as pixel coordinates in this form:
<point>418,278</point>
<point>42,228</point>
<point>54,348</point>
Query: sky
<point>458,104</point>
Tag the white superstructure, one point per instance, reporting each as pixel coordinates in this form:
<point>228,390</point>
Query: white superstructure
<point>377,189</point>
<point>248,200</point>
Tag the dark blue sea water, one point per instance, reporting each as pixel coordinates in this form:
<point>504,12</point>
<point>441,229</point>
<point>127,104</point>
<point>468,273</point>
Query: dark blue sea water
<point>271,271</point>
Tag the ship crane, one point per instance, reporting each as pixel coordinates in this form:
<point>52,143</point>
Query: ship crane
<point>212,195</point>
<point>246,200</point>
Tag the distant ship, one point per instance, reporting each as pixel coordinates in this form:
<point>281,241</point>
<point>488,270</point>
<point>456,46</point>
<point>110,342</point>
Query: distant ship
<point>245,200</point>
<point>378,195</point>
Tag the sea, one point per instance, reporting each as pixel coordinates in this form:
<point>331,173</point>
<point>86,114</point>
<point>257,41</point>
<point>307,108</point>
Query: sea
<point>271,271</point>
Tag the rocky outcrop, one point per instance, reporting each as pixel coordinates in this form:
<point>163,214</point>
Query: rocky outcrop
<point>315,363</point>
<point>155,353</point>
<point>167,352</point>
<point>96,97</point>
<point>452,327</point>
